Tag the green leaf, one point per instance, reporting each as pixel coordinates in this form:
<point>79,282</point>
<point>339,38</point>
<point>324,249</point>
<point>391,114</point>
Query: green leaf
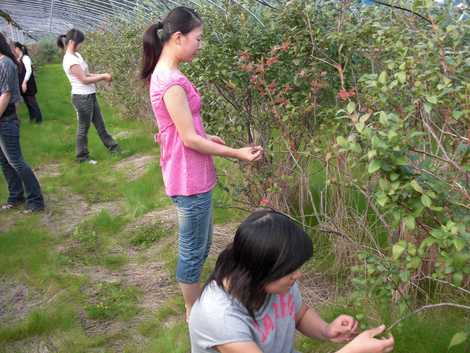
<point>414,184</point>
<point>401,76</point>
<point>414,263</point>
<point>382,200</point>
<point>410,222</point>
<point>351,107</point>
<point>457,114</point>
<point>458,338</point>
<point>398,249</point>
<point>383,118</point>
<point>401,160</point>
<point>340,140</point>
<point>373,166</point>
<point>405,276</point>
<point>427,108</point>
<point>426,200</point>
<point>360,126</point>
<point>457,278</point>
<point>364,118</point>
<point>431,99</point>
<point>384,184</point>
<point>371,154</point>
<point>383,77</point>
<point>459,244</point>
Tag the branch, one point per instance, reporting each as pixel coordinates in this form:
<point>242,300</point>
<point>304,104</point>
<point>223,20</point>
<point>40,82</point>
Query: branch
<point>426,307</point>
<point>404,9</point>
<point>448,283</point>
<point>449,160</point>
<point>372,205</point>
<point>430,155</point>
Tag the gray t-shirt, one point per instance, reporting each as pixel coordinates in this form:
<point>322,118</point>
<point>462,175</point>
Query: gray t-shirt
<point>9,80</point>
<point>217,318</point>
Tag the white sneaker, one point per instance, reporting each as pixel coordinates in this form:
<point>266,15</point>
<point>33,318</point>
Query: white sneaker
<point>91,161</point>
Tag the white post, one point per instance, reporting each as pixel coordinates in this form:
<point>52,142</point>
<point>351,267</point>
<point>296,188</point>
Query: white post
<point>11,30</point>
<point>50,16</point>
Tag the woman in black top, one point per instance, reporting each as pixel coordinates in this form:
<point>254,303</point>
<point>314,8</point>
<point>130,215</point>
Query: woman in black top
<point>28,88</point>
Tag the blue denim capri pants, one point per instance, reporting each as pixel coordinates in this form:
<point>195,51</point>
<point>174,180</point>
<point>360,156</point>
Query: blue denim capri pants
<point>194,235</point>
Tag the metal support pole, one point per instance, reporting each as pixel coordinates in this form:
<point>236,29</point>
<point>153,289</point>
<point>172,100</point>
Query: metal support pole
<point>11,30</point>
<point>50,16</point>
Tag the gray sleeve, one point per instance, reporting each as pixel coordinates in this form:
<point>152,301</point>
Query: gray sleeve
<point>6,80</point>
<point>222,328</point>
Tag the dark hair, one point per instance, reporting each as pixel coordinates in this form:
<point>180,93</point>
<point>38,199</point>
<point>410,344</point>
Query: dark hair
<point>5,48</point>
<point>23,49</point>
<point>268,245</point>
<point>180,19</point>
<point>74,34</point>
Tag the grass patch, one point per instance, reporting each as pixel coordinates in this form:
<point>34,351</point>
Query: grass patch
<point>162,337</point>
<point>93,239</point>
<point>26,250</point>
<point>146,193</point>
<point>39,322</point>
<point>146,236</point>
<point>113,301</point>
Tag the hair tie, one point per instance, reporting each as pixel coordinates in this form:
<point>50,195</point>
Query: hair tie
<point>159,25</point>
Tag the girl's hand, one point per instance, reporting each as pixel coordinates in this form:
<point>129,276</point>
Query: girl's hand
<point>366,343</point>
<point>342,329</point>
<point>24,87</point>
<point>216,139</point>
<point>250,154</point>
<point>107,77</point>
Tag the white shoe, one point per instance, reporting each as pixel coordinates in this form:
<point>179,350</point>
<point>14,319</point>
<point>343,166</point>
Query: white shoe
<point>91,161</point>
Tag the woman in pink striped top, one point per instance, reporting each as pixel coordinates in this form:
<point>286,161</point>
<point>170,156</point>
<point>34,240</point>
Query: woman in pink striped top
<point>185,149</point>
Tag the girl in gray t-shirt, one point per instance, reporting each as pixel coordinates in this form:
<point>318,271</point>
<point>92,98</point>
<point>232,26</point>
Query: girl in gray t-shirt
<point>252,304</point>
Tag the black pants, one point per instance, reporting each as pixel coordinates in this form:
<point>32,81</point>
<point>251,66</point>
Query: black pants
<point>33,108</point>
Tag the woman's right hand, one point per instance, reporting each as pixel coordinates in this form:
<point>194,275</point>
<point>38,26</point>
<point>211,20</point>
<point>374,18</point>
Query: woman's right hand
<point>250,154</point>
<point>366,343</point>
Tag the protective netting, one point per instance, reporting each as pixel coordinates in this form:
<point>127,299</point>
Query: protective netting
<point>26,20</point>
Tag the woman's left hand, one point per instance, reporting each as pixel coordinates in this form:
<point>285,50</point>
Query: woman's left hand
<point>24,87</point>
<point>342,329</point>
<point>216,139</point>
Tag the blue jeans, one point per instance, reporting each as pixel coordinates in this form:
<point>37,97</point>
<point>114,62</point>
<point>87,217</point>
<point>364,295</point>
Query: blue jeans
<point>17,172</point>
<point>194,234</point>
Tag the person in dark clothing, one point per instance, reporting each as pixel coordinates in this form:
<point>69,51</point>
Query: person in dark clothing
<point>28,88</point>
<point>17,172</point>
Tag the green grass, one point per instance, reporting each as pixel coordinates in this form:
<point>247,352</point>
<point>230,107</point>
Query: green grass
<point>147,236</point>
<point>113,301</point>
<point>25,251</point>
<point>93,240</point>
<point>40,322</point>
<point>146,193</point>
<point>426,333</point>
<point>164,337</point>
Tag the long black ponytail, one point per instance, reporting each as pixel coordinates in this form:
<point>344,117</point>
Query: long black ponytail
<point>20,46</point>
<point>74,34</point>
<point>180,19</point>
<point>5,48</point>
